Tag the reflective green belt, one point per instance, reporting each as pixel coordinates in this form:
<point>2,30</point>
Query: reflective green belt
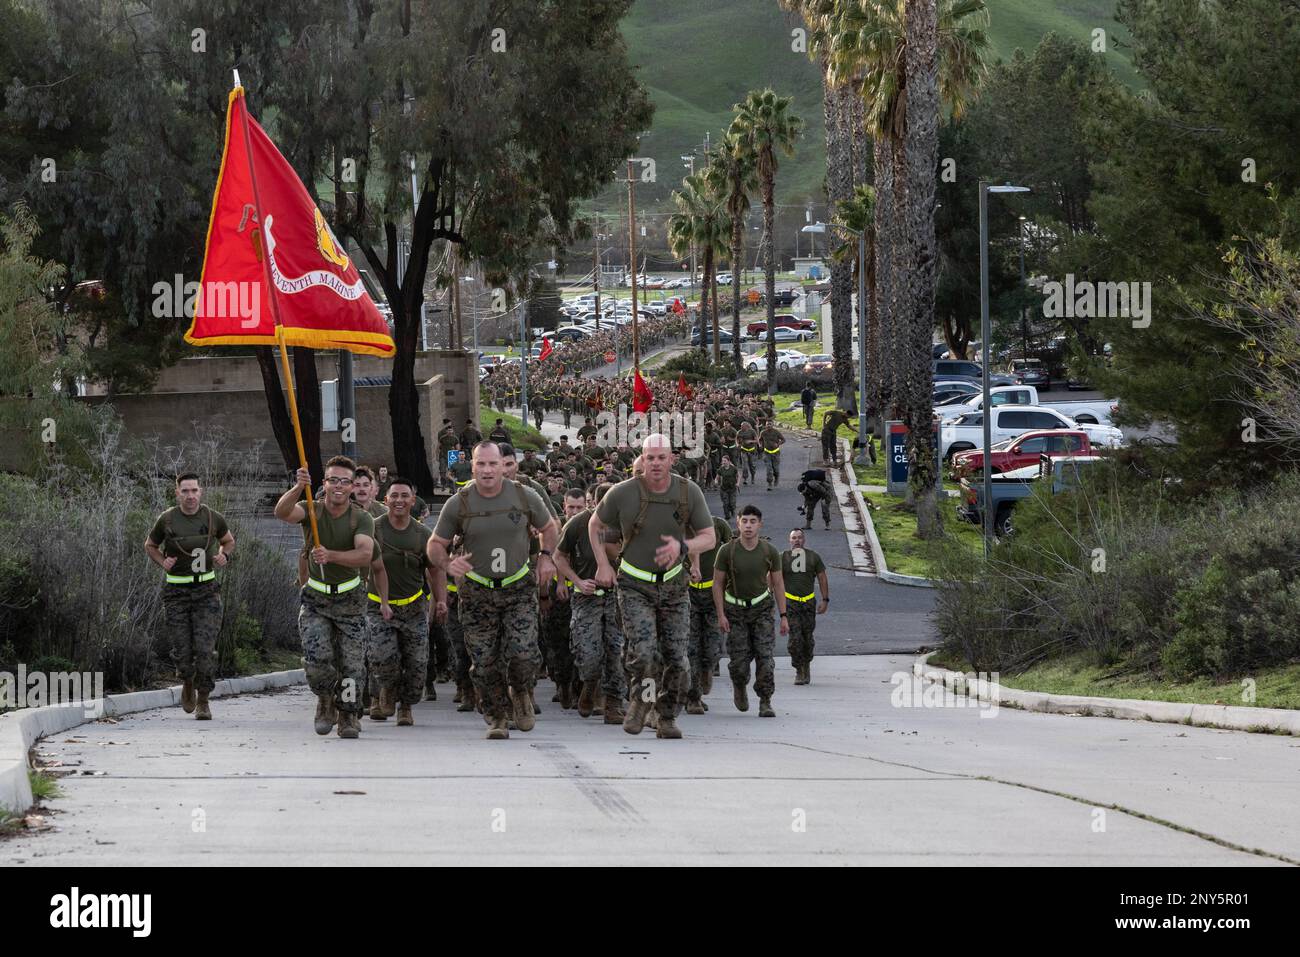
<point>498,582</point>
<point>702,585</point>
<point>398,601</point>
<point>772,451</point>
<point>462,484</point>
<point>334,589</point>
<point>645,576</point>
<point>746,602</point>
<point>808,597</point>
<point>190,579</point>
<point>451,588</point>
<point>748,448</point>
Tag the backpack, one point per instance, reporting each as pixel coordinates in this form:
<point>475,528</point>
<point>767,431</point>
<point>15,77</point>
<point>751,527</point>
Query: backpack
<point>681,513</point>
<point>417,557</point>
<point>464,515</point>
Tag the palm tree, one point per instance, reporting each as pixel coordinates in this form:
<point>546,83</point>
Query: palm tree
<point>701,219</point>
<point>869,39</point>
<point>845,143</point>
<point>766,125</point>
<point>859,215</point>
<point>732,173</point>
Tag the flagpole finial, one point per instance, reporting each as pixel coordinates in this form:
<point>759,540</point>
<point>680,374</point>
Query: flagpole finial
<point>237,83</point>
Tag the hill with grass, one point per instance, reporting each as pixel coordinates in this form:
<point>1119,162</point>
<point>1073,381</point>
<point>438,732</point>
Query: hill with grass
<point>699,57</point>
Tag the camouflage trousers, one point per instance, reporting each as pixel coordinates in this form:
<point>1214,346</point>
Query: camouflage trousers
<point>333,633</point>
<point>656,631</point>
<point>460,661</point>
<point>704,645</point>
<point>192,622</point>
<point>749,465</point>
<point>500,626</point>
<point>398,653</point>
<point>597,639</point>
<point>555,642</point>
<point>817,492</point>
<point>773,462</point>
<point>803,622</point>
<point>728,502</point>
<point>440,654</point>
<point>752,638</point>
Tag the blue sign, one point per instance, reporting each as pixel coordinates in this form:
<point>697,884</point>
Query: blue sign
<point>454,456</point>
<point>896,466</point>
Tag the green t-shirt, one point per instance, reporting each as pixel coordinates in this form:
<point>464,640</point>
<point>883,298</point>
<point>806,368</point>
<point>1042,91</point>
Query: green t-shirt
<point>801,568</point>
<point>576,545</point>
<point>183,537</point>
<point>496,532</point>
<point>620,506</point>
<point>771,438</point>
<point>334,535</point>
<point>544,495</point>
<point>722,531</point>
<point>404,556</point>
<point>727,476</point>
<point>747,568</point>
<point>376,508</point>
<point>462,471</point>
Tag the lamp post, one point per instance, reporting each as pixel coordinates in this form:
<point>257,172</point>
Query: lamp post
<point>1024,322</point>
<point>864,449</point>
<point>986,333</point>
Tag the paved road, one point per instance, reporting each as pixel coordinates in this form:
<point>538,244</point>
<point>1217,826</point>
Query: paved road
<point>868,782</point>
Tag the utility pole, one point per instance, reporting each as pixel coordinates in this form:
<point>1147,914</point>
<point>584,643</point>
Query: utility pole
<point>595,255</point>
<point>631,245</point>
<point>457,336</point>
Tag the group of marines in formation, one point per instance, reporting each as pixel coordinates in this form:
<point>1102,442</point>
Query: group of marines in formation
<point>618,585</point>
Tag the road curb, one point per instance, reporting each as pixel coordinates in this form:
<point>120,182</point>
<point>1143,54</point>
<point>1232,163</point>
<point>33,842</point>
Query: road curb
<point>1224,717</point>
<point>878,553</point>
<point>19,730</point>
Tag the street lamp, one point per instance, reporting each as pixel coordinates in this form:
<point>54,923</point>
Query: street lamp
<point>985,331</point>
<point>864,447</point>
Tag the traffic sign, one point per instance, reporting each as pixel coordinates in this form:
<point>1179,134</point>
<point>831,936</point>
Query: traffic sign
<point>610,356</point>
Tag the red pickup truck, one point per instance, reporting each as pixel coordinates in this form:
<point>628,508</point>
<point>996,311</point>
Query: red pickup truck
<point>1024,450</point>
<point>793,322</point>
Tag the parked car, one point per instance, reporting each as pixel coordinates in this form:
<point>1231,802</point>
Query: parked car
<point>724,279</point>
<point>759,327</point>
<point>1011,421</point>
<point>571,334</point>
<point>786,334</point>
<point>656,308</point>
<point>786,359</point>
<point>1031,372</point>
<point>1002,395</point>
<point>785,297</point>
<point>1063,472</point>
<point>819,363</point>
<point>952,391</point>
<point>724,336</point>
<point>970,371</point>
<point>1024,451</point>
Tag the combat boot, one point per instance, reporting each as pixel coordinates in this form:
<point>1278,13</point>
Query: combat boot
<point>667,728</point>
<point>532,696</point>
<point>799,679</point>
<point>765,708</point>
<point>376,711</point>
<point>741,697</point>
<point>349,724</point>
<point>404,719</point>
<point>324,714</point>
<point>387,701</point>
<point>566,697</point>
<point>636,715</point>
<point>187,696</point>
<point>695,706</point>
<point>523,703</point>
<point>585,699</point>
<point>498,730</point>
<point>597,699</point>
<point>706,682</point>
<point>468,698</point>
<point>431,693</point>
<point>613,713</point>
<point>201,711</point>
<point>460,692</point>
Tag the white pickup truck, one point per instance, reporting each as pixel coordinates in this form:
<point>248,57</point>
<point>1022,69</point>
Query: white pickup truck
<point>967,431</point>
<point>1085,412</point>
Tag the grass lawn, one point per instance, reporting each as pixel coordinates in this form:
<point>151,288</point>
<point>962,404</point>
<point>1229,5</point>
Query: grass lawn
<point>1079,675</point>
<point>909,555</point>
<point>521,436</point>
<point>794,419</point>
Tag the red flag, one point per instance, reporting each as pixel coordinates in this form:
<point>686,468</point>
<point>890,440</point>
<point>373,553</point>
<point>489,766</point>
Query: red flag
<point>319,298</point>
<point>595,402</point>
<point>546,350</point>
<point>682,387</point>
<point>641,394</point>
<point>678,307</point>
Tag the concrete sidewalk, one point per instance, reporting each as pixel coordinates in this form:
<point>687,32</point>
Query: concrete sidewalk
<point>839,776</point>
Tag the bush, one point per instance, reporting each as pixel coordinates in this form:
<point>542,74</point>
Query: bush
<point>1118,572</point>
<point>697,366</point>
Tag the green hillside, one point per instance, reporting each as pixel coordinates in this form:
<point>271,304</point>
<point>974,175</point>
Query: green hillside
<point>699,57</point>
